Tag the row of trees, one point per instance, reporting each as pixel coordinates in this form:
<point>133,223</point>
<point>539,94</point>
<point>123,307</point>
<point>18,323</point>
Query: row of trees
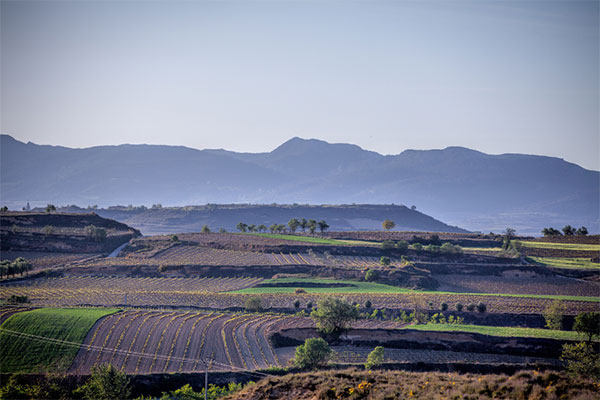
<point>292,226</point>
<point>11,268</point>
<point>568,230</point>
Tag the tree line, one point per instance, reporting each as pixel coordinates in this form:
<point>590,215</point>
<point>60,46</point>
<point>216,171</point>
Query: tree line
<point>11,268</point>
<point>568,230</point>
<point>292,226</point>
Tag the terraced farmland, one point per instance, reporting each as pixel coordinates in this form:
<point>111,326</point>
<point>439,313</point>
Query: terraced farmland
<point>150,341</point>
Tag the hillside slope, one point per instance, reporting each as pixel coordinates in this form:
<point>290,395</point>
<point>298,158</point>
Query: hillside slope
<point>458,185</point>
<point>340,218</point>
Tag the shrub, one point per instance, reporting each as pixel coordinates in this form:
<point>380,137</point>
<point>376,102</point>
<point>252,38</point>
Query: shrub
<point>105,383</point>
<point>554,314</point>
<point>471,307</point>
<point>582,359</point>
<point>444,306</point>
<point>297,304</point>
<point>313,353</point>
<point>174,238</point>
<point>481,307</point>
<point>371,275</point>
<point>402,245</point>
<point>459,307</point>
<point>254,304</point>
<point>375,358</point>
<point>309,304</point>
<point>368,304</point>
<point>299,291</point>
<point>384,261</point>
<point>387,245</point>
<point>417,246</point>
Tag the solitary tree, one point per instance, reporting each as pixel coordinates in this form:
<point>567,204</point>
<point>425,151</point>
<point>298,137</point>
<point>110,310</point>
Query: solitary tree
<point>375,358</point>
<point>312,354</point>
<point>388,224</point>
<point>323,226</point>
<point>241,227</point>
<point>293,224</point>
<point>582,231</point>
<point>385,261</point>
<point>568,230</point>
<point>333,315</point>
<point>205,229</point>
<point>588,323</point>
<point>554,314</point>
<point>50,208</point>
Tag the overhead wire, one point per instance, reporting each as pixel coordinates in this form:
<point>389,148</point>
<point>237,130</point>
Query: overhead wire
<point>90,347</point>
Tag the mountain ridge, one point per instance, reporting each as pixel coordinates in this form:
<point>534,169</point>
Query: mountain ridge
<point>458,185</point>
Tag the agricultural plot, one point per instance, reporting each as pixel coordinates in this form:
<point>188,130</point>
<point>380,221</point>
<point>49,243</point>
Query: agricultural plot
<point>518,284</point>
<point>569,263</point>
<point>45,340</point>
<point>163,342</point>
<point>358,355</point>
<point>42,260</point>
<point>212,293</point>
<point>116,290</point>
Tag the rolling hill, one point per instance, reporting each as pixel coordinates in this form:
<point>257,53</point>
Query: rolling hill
<point>460,186</point>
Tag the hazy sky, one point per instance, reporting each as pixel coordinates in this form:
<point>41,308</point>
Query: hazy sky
<point>496,76</point>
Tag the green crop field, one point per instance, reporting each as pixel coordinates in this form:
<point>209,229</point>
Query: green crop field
<point>571,263</point>
<point>370,287</point>
<point>490,249</point>
<point>562,246</point>
<point>22,354</point>
<point>508,331</point>
<point>298,238</point>
<point>295,283</point>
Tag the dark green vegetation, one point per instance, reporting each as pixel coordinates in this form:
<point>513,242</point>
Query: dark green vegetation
<point>29,353</point>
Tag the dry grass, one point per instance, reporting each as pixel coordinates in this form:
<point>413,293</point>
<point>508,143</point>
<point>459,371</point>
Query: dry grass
<point>355,384</point>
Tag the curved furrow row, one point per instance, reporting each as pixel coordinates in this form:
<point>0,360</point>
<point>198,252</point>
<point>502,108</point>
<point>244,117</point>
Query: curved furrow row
<point>85,356</point>
<point>144,362</point>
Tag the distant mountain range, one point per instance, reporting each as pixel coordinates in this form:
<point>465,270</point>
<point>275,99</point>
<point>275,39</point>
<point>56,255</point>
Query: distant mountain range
<point>457,185</point>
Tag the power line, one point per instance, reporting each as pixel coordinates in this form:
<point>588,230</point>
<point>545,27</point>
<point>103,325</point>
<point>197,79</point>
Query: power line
<point>90,347</point>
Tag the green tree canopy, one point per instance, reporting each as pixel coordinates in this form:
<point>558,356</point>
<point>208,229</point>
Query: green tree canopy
<point>388,224</point>
<point>105,383</point>
<point>312,354</point>
<point>334,315</point>
<point>588,323</point>
<point>375,358</point>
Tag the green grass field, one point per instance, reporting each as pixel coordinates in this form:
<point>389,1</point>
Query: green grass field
<point>489,249</point>
<point>21,354</point>
<point>299,238</point>
<point>571,263</point>
<point>562,246</point>
<point>508,331</point>
<point>353,287</point>
<point>370,287</point>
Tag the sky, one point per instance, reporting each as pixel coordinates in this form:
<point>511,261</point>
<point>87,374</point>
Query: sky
<point>499,77</point>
